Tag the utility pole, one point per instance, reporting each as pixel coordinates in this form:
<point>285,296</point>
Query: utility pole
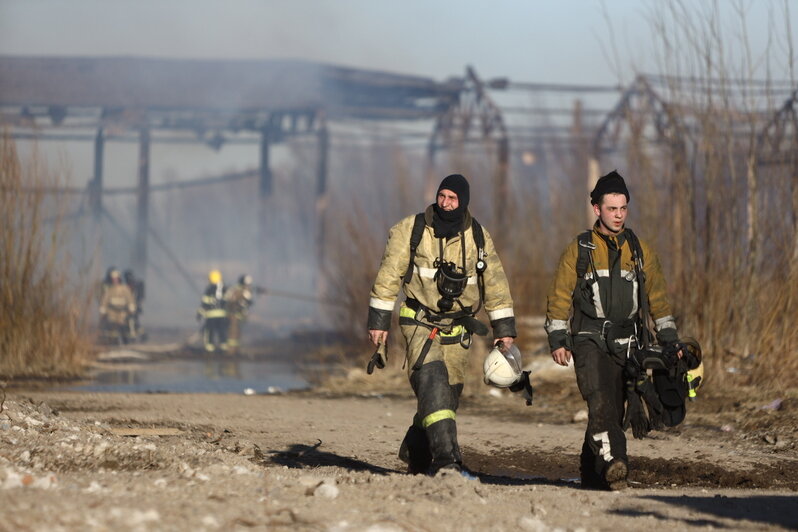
<point>139,259</point>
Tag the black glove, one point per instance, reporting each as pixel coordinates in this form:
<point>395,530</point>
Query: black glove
<point>635,415</point>
<point>379,358</point>
<point>645,387</point>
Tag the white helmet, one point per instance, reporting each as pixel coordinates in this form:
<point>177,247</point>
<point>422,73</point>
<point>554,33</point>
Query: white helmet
<point>502,366</point>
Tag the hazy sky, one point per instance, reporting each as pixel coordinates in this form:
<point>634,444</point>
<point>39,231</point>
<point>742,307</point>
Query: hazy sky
<point>569,41</point>
<point>531,40</point>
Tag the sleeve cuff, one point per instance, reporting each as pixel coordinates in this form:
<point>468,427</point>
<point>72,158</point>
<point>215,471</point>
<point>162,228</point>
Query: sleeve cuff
<point>379,319</point>
<point>667,336</point>
<point>504,327</point>
<point>559,338</point>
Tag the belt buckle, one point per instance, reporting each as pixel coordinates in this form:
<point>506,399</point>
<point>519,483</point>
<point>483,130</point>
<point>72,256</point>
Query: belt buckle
<point>604,328</point>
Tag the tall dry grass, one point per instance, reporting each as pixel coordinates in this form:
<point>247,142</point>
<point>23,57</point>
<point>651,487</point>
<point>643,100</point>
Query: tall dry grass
<point>724,223</point>
<point>704,194</point>
<point>42,309</point>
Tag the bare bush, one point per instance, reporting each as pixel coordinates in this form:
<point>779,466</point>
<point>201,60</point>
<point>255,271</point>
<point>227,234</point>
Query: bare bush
<point>710,198</point>
<point>42,329</point>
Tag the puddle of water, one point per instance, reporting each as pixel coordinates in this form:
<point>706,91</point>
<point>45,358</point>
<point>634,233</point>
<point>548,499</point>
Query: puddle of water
<point>198,376</point>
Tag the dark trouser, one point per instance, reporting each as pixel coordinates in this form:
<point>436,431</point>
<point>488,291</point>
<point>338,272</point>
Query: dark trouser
<point>431,442</point>
<point>215,333</point>
<point>601,383</point>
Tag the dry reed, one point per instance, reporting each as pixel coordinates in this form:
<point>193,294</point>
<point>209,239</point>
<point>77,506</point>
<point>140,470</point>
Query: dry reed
<point>724,223</point>
<point>42,314</point>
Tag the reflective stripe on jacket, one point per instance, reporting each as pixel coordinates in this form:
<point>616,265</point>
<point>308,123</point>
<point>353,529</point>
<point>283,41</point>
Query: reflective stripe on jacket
<point>614,297</point>
<point>212,302</point>
<point>422,286</point>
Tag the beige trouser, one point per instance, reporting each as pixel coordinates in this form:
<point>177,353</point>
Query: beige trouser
<point>454,356</point>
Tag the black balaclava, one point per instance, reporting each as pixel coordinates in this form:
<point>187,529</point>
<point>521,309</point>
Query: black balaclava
<point>448,223</point>
<point>608,184</point>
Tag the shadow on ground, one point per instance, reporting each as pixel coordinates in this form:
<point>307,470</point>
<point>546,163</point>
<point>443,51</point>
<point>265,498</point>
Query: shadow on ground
<point>561,466</point>
<point>301,456</point>
<point>775,510</point>
<point>307,456</point>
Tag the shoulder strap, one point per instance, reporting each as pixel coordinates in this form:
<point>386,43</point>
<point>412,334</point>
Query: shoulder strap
<point>637,256</point>
<point>481,265</point>
<point>637,249</point>
<point>584,259</point>
<point>415,238</point>
<point>479,240</point>
<point>479,236</point>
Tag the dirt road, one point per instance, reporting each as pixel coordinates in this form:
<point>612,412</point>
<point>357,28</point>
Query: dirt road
<point>324,461</point>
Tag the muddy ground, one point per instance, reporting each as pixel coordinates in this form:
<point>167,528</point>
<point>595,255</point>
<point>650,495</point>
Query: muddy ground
<point>325,459</point>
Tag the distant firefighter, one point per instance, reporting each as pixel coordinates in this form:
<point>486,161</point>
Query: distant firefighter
<point>238,299</point>
<point>117,306</point>
<point>212,309</point>
<point>106,282</point>
<point>137,288</point>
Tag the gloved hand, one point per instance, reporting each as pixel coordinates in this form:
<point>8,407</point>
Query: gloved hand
<point>199,316</point>
<point>379,358</point>
<point>646,389</point>
<point>636,416</point>
<point>525,387</point>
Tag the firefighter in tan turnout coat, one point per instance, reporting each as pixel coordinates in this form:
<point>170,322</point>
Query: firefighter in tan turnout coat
<point>117,308</point>
<point>446,276</point>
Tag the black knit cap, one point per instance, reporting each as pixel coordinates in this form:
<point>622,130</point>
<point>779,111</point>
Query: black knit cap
<point>459,185</point>
<point>611,183</point>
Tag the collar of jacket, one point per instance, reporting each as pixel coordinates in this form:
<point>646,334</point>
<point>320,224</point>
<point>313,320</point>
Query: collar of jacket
<point>619,239</point>
<point>428,218</point>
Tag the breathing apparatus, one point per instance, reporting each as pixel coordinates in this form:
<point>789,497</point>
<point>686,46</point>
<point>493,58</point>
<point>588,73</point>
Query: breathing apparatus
<point>451,281</point>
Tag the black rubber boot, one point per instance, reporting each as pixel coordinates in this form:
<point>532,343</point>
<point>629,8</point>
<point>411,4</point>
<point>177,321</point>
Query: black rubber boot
<point>437,400</point>
<point>443,445</point>
<point>415,452</point>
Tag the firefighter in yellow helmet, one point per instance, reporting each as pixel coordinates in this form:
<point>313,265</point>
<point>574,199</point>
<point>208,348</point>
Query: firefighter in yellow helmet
<point>212,310</point>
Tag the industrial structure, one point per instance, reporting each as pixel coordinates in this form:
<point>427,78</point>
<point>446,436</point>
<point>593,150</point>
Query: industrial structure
<point>266,103</point>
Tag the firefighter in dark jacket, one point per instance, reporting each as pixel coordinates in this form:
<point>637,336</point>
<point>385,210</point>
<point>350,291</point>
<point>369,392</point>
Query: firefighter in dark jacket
<point>212,310</point>
<point>443,283</point>
<point>136,286</point>
<point>605,307</point>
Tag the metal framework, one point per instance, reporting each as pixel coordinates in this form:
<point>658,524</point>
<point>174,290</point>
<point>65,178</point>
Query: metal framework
<point>211,102</point>
<point>777,145</point>
<point>472,115</point>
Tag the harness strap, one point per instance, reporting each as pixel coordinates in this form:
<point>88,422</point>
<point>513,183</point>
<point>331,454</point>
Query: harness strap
<point>415,239</point>
<point>585,257</point>
<point>479,239</point>
<point>637,257</point>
